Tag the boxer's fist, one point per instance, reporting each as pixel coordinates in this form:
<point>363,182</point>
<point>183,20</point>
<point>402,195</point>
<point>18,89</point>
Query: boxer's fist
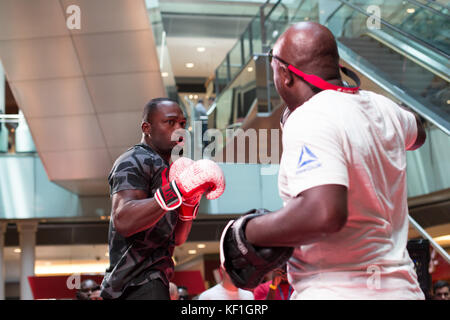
<point>190,182</point>
<point>204,176</point>
<point>178,166</point>
<point>245,263</point>
<point>176,169</point>
<point>189,208</point>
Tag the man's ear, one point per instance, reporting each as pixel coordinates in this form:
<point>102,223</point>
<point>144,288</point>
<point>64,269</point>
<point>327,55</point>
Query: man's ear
<point>288,78</point>
<point>146,128</point>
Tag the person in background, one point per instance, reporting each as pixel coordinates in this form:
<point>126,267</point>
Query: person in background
<point>89,290</point>
<point>226,290</point>
<point>441,290</point>
<point>276,289</point>
<point>200,109</point>
<point>183,293</point>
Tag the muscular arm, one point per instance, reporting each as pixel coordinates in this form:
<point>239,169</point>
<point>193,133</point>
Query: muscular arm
<point>309,217</point>
<point>133,212</point>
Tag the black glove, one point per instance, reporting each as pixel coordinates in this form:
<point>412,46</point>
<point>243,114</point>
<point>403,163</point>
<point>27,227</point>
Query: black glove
<point>245,263</point>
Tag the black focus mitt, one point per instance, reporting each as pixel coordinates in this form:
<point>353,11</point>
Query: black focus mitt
<point>245,263</point>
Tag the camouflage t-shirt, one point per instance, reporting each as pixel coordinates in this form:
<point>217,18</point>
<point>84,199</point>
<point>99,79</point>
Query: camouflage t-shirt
<point>146,255</point>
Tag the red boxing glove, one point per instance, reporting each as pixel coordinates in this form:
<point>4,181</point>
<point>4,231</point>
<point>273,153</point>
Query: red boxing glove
<point>203,176</point>
<point>189,208</point>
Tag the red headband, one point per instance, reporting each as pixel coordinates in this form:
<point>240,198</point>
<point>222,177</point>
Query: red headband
<point>322,84</point>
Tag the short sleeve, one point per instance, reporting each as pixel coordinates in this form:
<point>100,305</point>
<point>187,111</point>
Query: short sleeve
<point>313,152</point>
<point>261,291</point>
<point>129,174</point>
<point>408,124</point>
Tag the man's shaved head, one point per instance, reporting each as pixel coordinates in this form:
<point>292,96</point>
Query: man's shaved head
<point>310,47</point>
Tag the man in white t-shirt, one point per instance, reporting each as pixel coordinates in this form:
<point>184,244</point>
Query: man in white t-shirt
<point>342,178</point>
<point>226,290</point>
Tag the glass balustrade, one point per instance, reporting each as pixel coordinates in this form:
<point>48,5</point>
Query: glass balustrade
<point>425,21</point>
<point>385,52</point>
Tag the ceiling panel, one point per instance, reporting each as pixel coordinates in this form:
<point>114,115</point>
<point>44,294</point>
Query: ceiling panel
<point>117,52</point>
<point>205,63</point>
<point>121,129</point>
<point>82,91</point>
<point>77,164</point>
<point>210,26</point>
<point>110,15</point>
<point>39,58</point>
<point>43,17</point>
<point>66,133</point>
<point>120,92</point>
<point>50,98</point>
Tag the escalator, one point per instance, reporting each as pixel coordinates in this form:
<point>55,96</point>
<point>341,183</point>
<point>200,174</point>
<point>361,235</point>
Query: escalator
<point>408,59</point>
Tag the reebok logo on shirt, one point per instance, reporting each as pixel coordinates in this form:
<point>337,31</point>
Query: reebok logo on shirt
<point>307,161</point>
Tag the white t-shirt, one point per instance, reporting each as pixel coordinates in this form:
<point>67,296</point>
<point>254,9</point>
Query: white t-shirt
<point>359,141</point>
<point>218,292</point>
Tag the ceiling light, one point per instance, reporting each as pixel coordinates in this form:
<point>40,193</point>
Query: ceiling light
<point>191,96</point>
<point>306,18</point>
<point>195,96</point>
<point>70,267</point>
<point>443,240</point>
<point>410,10</point>
<point>192,251</point>
<point>201,246</point>
<point>164,74</point>
<point>201,49</point>
<point>107,254</point>
<point>17,250</point>
<point>189,65</point>
<point>250,69</point>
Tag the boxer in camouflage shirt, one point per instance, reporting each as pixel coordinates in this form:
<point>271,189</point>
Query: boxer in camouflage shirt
<point>142,236</point>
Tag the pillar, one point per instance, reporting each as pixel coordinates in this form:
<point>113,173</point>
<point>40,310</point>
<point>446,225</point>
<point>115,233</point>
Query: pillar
<point>3,226</point>
<point>27,240</point>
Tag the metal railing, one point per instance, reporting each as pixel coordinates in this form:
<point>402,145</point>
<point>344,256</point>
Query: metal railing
<point>253,40</point>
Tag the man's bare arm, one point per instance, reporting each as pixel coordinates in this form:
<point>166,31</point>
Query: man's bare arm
<point>133,212</point>
<point>309,217</point>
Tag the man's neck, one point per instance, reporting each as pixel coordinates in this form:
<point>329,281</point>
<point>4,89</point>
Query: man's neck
<point>149,143</point>
<point>229,286</point>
